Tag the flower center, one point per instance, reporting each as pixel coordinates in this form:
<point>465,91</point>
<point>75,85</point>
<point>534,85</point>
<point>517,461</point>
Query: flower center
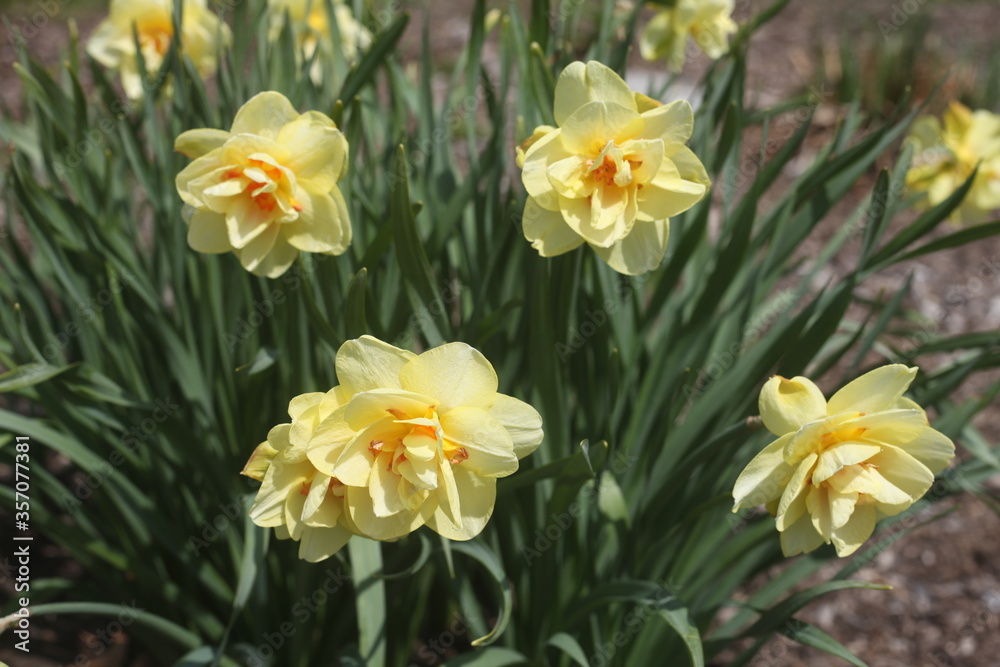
<point>264,182</point>
<point>611,167</point>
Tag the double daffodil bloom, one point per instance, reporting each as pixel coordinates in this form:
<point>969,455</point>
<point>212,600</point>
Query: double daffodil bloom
<point>838,466</point>
<point>113,42</point>
<point>708,22</point>
<point>311,26</point>
<point>421,439</point>
<point>611,174</point>
<point>267,188</point>
<point>297,500</point>
<point>945,154</point>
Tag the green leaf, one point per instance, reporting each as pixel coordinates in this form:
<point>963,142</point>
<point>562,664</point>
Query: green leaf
<point>479,552</point>
<point>568,645</point>
<point>369,592</point>
<point>492,656</point>
<point>810,635</point>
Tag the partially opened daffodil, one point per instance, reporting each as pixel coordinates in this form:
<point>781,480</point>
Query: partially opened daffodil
<point>421,439</point>
<point>297,500</point>
<point>839,465</point>
<point>947,151</point>
<point>311,26</point>
<point>708,22</point>
<point>611,174</point>
<point>113,42</point>
<point>267,188</point>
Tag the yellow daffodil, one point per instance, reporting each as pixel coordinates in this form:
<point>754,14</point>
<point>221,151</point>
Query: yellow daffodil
<point>945,154</point>
<point>708,22</point>
<point>113,42</point>
<point>295,498</point>
<point>611,174</point>
<point>310,24</point>
<point>838,466</point>
<point>267,188</point>
<point>421,438</point>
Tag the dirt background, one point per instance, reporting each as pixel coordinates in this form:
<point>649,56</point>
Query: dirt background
<point>944,606</point>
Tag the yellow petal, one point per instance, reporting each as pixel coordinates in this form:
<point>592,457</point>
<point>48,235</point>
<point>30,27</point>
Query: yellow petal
<point>207,233</point>
<point>264,114</point>
<point>368,363</point>
<point>579,84</point>
<point>323,225</point>
<point>793,498</point>
<point>523,423</point>
<point>316,150</point>
<point>259,461</point>
<point>321,509</point>
<point>800,537</point>
<point>485,440</point>
<point>932,448</point>
<point>320,543</point>
<point>281,480</point>
<point>534,175</point>
<point>640,251</point>
<point>853,534</point>
<point>478,496</point>
<point>874,391</point>
<point>593,125</point>
<point>547,230</point>
<point>371,406</point>
<point>354,465</point>
<point>329,440</point>
<point>903,471</point>
<point>392,527</point>
<point>383,486</point>
<point>195,143</point>
<point>454,374</point>
<point>764,478</point>
<point>298,405</point>
<point>270,263</point>
<point>673,123</point>
<point>845,454</point>
<point>787,405</point>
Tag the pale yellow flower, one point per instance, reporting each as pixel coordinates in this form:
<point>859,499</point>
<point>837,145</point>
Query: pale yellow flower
<point>838,466</point>
<point>267,188</point>
<point>295,498</point>
<point>708,22</point>
<point>310,25</point>
<point>421,438</point>
<point>945,155</point>
<point>611,174</point>
<point>113,42</point>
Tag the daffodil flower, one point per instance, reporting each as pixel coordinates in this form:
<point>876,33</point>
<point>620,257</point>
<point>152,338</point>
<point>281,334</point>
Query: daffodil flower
<point>113,42</point>
<point>945,154</point>
<point>611,174</point>
<point>297,500</point>
<point>708,22</point>
<point>267,188</point>
<point>310,25</point>
<point>421,439</point>
<point>838,466</point>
